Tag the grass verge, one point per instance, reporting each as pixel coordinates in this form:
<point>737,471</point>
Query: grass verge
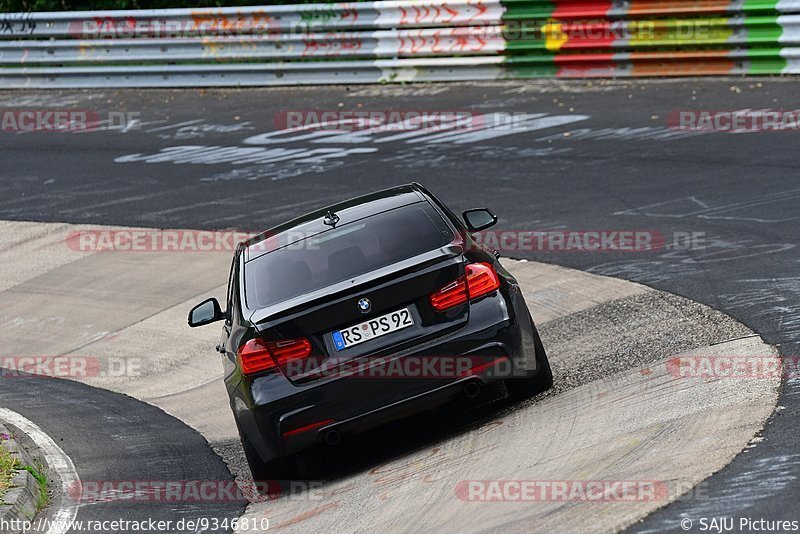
<point>37,473</point>
<point>8,464</point>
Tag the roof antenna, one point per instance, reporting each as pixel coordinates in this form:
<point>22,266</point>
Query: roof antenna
<point>331,219</point>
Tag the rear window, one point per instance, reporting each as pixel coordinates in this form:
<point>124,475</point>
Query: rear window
<point>344,252</point>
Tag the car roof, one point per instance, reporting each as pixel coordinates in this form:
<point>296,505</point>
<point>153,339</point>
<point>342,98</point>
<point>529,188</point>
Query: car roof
<point>348,211</point>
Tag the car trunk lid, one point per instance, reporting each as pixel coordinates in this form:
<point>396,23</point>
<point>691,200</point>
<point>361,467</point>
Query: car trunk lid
<point>400,289</point>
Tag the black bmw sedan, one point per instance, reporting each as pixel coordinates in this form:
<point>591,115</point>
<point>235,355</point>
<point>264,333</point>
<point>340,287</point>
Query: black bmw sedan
<point>364,312</point>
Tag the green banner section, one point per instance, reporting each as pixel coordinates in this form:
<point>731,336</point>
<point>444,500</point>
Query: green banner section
<point>765,61</point>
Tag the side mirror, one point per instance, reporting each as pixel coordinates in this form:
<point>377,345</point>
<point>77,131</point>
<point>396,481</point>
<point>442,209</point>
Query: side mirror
<point>479,219</point>
<point>205,313</point>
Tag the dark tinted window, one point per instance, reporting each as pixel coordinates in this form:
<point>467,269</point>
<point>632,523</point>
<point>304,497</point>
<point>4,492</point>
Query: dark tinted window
<point>231,285</point>
<point>344,252</point>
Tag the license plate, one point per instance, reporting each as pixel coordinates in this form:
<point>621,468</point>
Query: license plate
<point>377,327</point>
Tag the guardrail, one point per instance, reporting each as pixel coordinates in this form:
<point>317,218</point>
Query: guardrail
<point>392,41</point>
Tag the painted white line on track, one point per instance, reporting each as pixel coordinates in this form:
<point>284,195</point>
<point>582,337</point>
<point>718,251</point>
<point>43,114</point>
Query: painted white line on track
<point>58,462</point>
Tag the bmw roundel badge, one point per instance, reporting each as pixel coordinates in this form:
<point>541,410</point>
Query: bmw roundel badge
<point>364,305</point>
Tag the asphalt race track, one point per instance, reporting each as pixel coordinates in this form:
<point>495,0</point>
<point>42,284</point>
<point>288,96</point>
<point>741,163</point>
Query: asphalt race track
<point>106,432</point>
<point>582,156</point>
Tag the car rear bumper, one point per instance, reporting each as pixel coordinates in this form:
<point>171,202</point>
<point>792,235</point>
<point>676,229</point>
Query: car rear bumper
<point>421,402</point>
<point>281,418</point>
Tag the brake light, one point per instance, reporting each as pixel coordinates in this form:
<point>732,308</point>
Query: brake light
<point>479,280</point>
<point>256,356</point>
<point>452,294</point>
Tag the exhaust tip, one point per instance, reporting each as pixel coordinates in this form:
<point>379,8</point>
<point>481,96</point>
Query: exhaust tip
<point>472,390</point>
<point>333,437</point>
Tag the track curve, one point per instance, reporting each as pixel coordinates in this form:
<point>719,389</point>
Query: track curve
<point>619,168</point>
<point>672,431</point>
<point>115,438</point>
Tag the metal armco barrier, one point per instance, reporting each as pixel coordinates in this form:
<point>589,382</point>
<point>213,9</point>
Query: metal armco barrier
<point>394,41</point>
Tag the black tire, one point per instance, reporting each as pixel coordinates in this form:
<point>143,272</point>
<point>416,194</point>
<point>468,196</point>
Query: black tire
<point>279,469</point>
<point>529,386</point>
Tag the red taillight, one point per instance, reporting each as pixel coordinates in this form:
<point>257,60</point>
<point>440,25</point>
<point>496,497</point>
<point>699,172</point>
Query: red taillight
<point>256,356</point>
<point>480,279</point>
<point>452,294</point>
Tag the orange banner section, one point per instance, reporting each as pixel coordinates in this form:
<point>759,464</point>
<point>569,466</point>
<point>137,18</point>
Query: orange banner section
<point>714,62</point>
<point>650,7</point>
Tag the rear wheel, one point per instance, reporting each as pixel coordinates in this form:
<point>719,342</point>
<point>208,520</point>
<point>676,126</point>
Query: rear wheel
<point>278,469</point>
<point>526,387</point>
